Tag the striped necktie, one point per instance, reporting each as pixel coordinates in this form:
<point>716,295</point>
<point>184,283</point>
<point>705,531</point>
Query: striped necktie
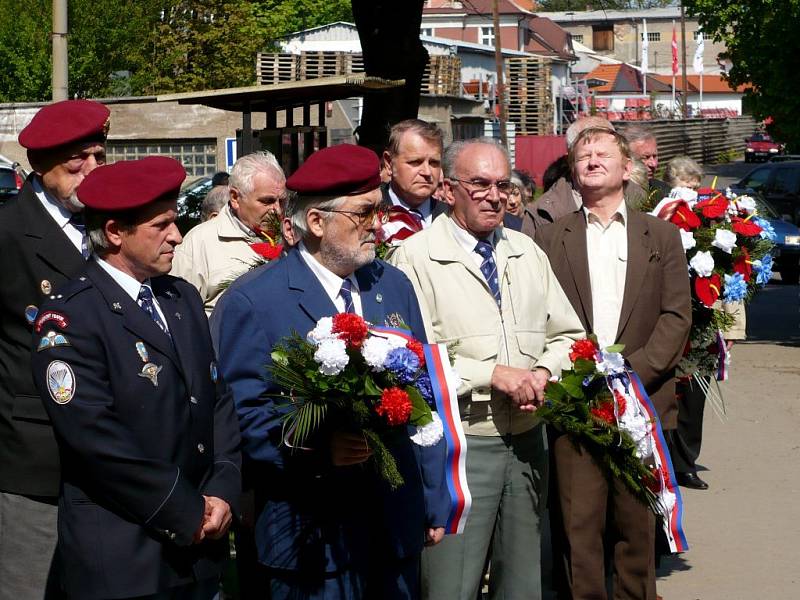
<point>147,302</point>
<point>346,294</point>
<point>489,268</point>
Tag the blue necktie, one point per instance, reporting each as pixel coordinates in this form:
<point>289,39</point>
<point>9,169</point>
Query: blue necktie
<point>347,296</point>
<point>489,268</point>
<point>78,223</point>
<point>147,303</point>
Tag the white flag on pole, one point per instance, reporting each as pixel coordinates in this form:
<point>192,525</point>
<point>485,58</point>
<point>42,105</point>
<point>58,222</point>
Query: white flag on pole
<point>645,46</point>
<point>698,53</point>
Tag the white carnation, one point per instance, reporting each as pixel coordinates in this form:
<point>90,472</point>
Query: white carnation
<point>687,239</point>
<point>611,363</point>
<point>374,350</point>
<point>702,263</point>
<point>322,331</point>
<point>429,434</point>
<point>332,356</point>
<point>684,193</point>
<point>746,203</point>
<point>637,426</point>
<point>724,240</point>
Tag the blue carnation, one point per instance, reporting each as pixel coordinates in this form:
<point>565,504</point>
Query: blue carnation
<point>423,384</point>
<point>735,288</point>
<point>767,231</point>
<point>402,363</point>
<point>763,269</point>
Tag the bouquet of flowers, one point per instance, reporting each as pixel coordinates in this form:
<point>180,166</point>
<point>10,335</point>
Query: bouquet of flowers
<point>593,404</point>
<point>270,241</point>
<point>728,250</point>
<point>373,379</point>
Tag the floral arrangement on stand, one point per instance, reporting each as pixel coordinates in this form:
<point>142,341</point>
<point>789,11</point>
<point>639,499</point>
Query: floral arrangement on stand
<point>728,250</point>
<point>601,405</point>
<point>371,380</point>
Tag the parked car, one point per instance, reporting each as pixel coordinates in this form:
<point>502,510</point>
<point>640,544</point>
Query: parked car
<point>11,180</point>
<point>189,201</point>
<point>786,255</point>
<point>761,146</point>
<point>779,185</point>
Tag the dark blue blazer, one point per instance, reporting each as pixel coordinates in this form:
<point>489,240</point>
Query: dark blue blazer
<point>136,457</point>
<point>315,516</point>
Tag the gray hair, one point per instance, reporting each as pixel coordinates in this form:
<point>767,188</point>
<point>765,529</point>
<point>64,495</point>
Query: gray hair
<point>216,198</point>
<point>682,168</point>
<point>455,149</point>
<point>248,165</point>
<point>639,174</point>
<point>298,206</point>
<point>96,227</point>
<point>637,133</point>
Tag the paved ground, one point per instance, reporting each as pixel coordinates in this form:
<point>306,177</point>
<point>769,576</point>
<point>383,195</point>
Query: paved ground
<point>744,532</point>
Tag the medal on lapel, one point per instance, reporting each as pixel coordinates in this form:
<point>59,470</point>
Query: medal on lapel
<point>149,370</point>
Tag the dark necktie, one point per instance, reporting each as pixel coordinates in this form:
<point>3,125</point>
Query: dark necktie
<point>347,296</point>
<point>147,303</point>
<point>417,216</point>
<point>77,222</point>
<point>489,268</point>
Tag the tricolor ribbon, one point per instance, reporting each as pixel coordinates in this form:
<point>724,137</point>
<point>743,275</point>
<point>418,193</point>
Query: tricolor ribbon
<point>446,399</point>
<point>669,495</point>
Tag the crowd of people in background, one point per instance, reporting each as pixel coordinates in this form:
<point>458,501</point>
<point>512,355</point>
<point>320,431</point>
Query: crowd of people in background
<point>139,424</point>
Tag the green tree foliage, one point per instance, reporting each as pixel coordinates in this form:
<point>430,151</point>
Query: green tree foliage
<point>763,45</point>
<point>140,47</point>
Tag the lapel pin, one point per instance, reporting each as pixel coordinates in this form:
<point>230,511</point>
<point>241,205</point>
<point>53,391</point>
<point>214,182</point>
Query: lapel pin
<point>150,371</point>
<point>46,287</point>
<point>378,298</point>
<point>116,306</point>
<point>170,294</point>
<point>178,316</point>
<point>141,350</point>
<point>30,313</point>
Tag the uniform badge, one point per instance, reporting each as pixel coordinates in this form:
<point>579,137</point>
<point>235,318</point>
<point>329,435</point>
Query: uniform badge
<point>378,298</point>
<point>60,381</point>
<point>30,313</point>
<point>214,372</point>
<point>150,371</point>
<point>116,306</point>
<point>51,340</point>
<point>141,350</point>
<point>170,294</point>
<point>46,287</point>
<point>50,315</point>
<point>178,316</point>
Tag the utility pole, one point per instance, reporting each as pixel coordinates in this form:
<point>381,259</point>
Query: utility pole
<point>683,62</point>
<point>500,86</point>
<point>60,81</point>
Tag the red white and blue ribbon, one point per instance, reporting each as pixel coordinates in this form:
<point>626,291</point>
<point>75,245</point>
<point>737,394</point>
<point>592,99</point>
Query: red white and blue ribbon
<point>669,495</point>
<point>446,399</point>
<point>386,331</point>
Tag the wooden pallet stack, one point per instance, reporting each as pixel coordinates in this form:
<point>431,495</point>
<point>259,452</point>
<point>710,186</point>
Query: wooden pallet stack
<point>530,105</point>
<point>442,76</point>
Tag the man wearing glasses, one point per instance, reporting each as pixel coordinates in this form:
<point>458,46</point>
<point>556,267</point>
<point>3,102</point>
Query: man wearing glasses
<point>329,527</point>
<point>491,293</point>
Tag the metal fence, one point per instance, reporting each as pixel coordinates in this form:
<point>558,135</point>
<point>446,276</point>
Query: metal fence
<point>705,140</point>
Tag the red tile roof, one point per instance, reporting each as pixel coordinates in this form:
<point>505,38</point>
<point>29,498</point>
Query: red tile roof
<point>712,84</point>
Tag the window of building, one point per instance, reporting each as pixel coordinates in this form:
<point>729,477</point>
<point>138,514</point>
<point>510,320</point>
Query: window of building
<point>486,36</point>
<point>577,37</point>
<point>652,36</point>
<point>426,31</point>
<point>198,157</point>
<point>603,37</point>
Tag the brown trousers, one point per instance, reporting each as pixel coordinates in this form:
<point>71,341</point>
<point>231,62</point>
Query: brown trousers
<point>593,512</point>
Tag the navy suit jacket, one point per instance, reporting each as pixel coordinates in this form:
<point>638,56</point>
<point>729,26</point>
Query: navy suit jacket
<point>315,516</point>
<point>136,457</point>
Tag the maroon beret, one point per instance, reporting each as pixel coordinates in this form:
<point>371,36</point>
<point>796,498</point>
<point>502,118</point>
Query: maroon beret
<point>340,170</point>
<point>131,183</point>
<point>66,122</point>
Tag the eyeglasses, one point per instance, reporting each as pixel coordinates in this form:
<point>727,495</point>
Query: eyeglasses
<point>363,217</point>
<point>481,187</point>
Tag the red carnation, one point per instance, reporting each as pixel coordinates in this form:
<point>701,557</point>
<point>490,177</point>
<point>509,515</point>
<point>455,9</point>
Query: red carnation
<point>267,250</point>
<point>714,207</point>
<point>742,264</point>
<point>708,289</point>
<point>351,328</point>
<point>745,227</point>
<point>654,480</point>
<point>416,347</point>
<point>395,405</point>
<point>685,218</point>
<point>583,349</point>
<point>605,410</point>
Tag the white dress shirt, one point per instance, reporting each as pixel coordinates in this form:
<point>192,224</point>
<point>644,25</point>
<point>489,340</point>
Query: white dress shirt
<point>60,215</point>
<point>468,242</point>
<point>607,253</point>
<point>423,209</point>
<point>130,285</point>
<point>331,282</point>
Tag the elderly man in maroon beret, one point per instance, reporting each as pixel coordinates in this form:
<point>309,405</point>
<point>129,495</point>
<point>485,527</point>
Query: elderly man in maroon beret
<point>126,372</point>
<point>42,245</point>
<point>329,526</point>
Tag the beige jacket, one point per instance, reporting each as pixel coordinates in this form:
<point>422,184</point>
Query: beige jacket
<point>535,327</point>
<point>212,254</point>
